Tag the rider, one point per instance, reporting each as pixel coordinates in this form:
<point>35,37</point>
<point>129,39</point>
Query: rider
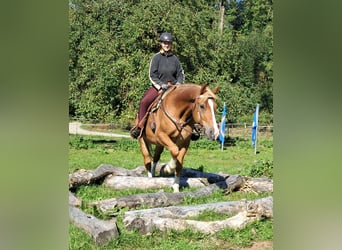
<point>165,71</point>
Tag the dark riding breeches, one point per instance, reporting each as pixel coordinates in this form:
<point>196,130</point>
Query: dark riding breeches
<point>146,101</point>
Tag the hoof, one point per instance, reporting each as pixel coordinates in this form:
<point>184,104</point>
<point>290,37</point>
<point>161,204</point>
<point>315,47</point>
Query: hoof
<point>167,170</point>
<point>175,188</point>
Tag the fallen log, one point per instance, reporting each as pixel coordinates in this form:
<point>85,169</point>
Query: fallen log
<point>101,231</point>
<point>145,221</point>
<point>86,177</point>
<point>74,201</point>
<point>258,184</point>
<point>251,184</point>
<point>193,173</point>
<point>163,199</point>
<point>261,206</point>
<point>129,182</point>
<point>147,225</point>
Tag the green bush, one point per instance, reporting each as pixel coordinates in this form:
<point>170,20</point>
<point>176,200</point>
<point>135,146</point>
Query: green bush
<point>262,168</point>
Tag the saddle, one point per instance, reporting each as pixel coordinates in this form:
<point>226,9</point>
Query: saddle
<point>155,106</point>
<point>151,110</point>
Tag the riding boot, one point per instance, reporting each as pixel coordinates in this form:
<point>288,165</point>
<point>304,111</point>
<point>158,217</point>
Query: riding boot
<point>136,131</point>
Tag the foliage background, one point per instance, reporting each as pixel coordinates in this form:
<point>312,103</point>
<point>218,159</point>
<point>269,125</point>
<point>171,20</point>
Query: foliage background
<point>111,44</point>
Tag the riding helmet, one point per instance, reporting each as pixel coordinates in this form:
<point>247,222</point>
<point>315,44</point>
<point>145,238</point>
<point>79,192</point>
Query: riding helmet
<point>166,37</point>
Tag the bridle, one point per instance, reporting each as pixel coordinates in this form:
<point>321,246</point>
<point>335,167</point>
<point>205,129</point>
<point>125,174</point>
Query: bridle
<point>181,125</point>
<point>197,106</point>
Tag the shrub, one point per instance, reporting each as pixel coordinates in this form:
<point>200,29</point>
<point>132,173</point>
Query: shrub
<point>262,168</point>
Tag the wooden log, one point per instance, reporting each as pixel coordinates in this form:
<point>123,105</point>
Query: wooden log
<point>85,177</point>
<point>147,225</point>
<point>225,207</point>
<point>250,184</point>
<point>158,199</point>
<point>174,217</point>
<point>211,177</point>
<point>74,201</point>
<point>101,231</point>
<point>193,173</point>
<point>129,182</point>
<point>258,184</point>
<point>163,199</point>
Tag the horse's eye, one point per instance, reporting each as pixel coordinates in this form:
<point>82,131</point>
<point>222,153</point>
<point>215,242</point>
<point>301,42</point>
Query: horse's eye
<point>202,106</point>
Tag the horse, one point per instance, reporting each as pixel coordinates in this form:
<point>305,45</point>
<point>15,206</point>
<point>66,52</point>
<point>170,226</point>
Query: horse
<point>171,122</point>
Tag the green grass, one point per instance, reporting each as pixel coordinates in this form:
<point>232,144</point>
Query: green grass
<point>256,231</point>
<point>237,158</point>
<point>88,152</point>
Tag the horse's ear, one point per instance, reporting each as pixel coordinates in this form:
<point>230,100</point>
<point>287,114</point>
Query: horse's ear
<point>203,88</point>
<point>215,90</point>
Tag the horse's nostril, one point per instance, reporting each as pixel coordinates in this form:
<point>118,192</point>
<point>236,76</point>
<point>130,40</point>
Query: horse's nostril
<point>210,133</point>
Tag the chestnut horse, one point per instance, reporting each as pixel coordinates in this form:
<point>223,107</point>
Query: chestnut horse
<point>180,109</point>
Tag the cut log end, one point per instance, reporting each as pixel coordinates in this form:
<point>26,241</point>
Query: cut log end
<point>101,231</point>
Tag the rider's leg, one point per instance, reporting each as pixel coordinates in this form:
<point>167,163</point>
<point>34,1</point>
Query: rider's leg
<point>145,102</point>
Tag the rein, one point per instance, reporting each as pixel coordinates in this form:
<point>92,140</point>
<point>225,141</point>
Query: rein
<point>179,125</point>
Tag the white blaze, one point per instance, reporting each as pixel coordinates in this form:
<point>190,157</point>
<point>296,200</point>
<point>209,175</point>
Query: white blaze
<point>211,104</point>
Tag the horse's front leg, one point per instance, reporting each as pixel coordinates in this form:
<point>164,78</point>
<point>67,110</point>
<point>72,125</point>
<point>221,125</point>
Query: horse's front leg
<point>146,154</point>
<point>179,167</point>
<point>156,157</point>
<point>164,139</point>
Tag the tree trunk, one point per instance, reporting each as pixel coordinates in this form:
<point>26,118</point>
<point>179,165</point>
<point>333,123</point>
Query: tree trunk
<point>175,217</point>
<point>257,185</point>
<point>129,182</point>
<point>74,201</point>
<point>193,173</point>
<point>221,18</point>
<point>101,231</point>
<point>211,177</point>
<point>163,199</point>
<point>85,177</point>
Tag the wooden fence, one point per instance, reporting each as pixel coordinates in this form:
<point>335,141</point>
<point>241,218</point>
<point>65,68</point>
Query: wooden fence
<point>244,130</point>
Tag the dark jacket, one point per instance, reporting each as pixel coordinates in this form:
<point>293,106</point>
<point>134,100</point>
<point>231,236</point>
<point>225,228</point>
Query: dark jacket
<point>164,68</point>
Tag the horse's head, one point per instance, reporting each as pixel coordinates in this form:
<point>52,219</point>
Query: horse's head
<point>204,111</point>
